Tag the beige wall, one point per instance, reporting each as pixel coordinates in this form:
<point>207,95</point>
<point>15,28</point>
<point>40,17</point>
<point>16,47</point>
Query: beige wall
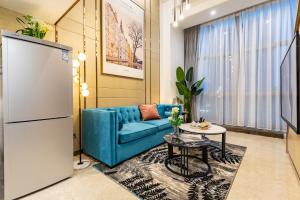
<point>8,22</point>
<point>172,52</point>
<point>112,90</point>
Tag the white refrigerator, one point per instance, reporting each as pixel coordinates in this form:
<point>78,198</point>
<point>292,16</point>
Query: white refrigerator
<point>36,124</point>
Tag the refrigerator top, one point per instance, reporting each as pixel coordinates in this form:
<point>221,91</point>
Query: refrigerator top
<point>34,40</point>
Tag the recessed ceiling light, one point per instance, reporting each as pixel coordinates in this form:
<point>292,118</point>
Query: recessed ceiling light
<point>213,12</point>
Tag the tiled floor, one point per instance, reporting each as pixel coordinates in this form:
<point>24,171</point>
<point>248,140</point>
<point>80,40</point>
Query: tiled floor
<point>266,173</point>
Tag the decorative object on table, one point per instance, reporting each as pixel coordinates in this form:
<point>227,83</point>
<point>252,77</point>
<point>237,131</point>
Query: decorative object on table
<point>123,36</point>
<point>33,27</point>
<point>213,130</point>
<point>178,101</point>
<point>202,119</point>
<point>82,90</point>
<point>194,124</point>
<point>188,88</point>
<point>149,168</point>
<point>204,125</point>
<point>149,111</point>
<point>175,120</point>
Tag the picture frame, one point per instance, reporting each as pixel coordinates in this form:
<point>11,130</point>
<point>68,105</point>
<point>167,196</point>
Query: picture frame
<point>123,39</point>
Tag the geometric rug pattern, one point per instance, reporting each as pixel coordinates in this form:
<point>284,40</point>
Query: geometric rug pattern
<point>148,178</point>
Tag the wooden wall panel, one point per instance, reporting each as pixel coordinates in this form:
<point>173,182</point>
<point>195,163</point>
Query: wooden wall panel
<point>154,49</point>
<point>106,83</point>
<point>69,31</point>
<point>147,54</point>
<point>111,90</point>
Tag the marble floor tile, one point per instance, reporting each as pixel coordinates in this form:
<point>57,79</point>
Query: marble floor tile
<point>266,173</point>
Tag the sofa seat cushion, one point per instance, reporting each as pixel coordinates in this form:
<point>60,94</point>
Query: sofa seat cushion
<point>161,124</point>
<point>135,130</point>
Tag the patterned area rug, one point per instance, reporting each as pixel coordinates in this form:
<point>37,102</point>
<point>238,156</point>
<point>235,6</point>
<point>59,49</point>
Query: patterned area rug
<point>146,175</point>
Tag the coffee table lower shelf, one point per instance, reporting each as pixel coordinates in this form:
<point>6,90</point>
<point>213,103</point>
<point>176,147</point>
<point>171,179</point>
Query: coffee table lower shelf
<point>184,168</point>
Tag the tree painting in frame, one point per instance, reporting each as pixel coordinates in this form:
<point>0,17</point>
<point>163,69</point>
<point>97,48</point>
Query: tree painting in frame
<point>123,38</point>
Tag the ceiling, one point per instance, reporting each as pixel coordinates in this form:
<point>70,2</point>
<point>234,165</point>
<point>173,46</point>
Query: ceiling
<point>47,10</point>
<point>199,12</point>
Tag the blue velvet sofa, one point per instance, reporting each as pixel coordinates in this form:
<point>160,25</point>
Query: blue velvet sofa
<point>112,135</point>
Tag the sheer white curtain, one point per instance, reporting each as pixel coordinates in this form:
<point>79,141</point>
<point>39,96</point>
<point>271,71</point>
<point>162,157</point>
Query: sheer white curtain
<point>218,63</point>
<point>240,58</point>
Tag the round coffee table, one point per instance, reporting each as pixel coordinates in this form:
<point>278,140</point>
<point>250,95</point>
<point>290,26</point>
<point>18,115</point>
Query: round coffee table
<point>184,145</point>
<point>212,130</point>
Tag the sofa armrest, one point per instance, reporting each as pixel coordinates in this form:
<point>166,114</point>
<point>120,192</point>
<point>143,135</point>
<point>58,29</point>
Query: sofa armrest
<point>99,134</point>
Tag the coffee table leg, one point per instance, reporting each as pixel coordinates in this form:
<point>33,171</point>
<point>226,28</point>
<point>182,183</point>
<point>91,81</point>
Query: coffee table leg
<point>170,151</point>
<point>223,144</point>
<point>205,154</point>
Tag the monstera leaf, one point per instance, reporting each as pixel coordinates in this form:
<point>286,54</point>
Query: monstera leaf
<point>189,75</point>
<point>196,87</point>
<point>187,88</point>
<point>180,74</point>
<point>198,91</point>
<point>183,89</point>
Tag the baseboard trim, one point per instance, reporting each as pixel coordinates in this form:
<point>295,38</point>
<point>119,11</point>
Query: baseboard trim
<point>75,153</point>
<point>254,131</point>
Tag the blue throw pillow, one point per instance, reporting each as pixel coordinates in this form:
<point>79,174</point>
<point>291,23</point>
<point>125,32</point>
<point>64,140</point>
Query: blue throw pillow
<point>161,110</point>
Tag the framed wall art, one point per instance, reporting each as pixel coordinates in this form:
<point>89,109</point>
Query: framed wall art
<point>123,38</point>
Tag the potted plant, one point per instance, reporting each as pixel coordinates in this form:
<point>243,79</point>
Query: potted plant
<point>188,88</point>
<point>175,120</point>
<point>33,27</point>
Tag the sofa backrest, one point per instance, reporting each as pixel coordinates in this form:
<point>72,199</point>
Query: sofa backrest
<point>128,114</point>
<point>165,109</point>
